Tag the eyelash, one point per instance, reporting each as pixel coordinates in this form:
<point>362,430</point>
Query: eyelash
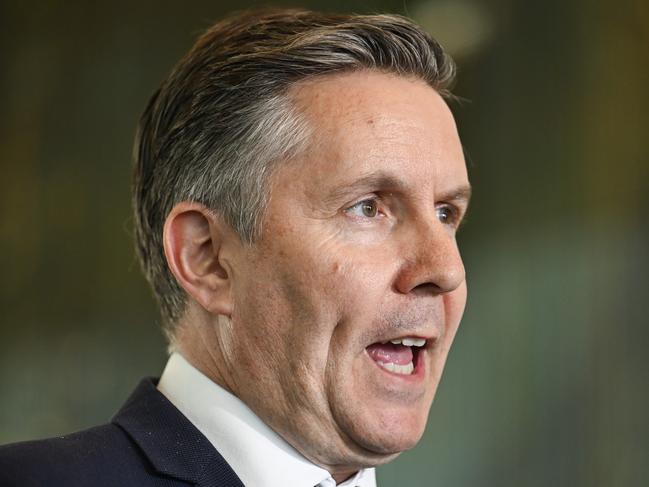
<point>454,215</point>
<point>453,218</point>
<point>375,201</point>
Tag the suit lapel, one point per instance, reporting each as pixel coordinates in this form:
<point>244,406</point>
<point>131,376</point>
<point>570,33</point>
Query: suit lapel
<point>170,441</point>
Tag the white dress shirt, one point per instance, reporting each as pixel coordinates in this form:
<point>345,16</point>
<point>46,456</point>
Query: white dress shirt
<point>258,455</point>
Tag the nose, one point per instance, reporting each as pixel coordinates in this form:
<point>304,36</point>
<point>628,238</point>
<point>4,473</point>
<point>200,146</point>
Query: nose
<point>432,261</point>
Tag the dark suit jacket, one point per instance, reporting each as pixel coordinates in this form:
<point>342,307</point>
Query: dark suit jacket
<point>148,443</point>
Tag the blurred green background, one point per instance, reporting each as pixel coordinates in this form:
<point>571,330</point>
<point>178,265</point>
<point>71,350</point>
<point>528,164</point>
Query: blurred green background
<point>548,382</point>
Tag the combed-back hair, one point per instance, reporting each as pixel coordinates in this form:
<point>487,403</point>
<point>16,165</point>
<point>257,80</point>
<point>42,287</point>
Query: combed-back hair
<point>223,118</point>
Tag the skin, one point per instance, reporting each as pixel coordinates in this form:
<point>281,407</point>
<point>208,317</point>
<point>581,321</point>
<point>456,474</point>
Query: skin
<point>358,247</point>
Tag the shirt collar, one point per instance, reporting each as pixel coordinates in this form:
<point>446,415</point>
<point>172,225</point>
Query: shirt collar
<point>258,455</point>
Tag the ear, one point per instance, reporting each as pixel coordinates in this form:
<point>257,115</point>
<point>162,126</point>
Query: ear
<point>194,241</point>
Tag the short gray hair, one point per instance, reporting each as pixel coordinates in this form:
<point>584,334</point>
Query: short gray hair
<point>214,130</point>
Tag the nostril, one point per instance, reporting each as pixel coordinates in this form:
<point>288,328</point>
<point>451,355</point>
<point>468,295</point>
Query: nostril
<point>427,288</point>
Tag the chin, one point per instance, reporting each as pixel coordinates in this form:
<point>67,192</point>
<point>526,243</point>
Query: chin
<point>388,435</point>
<point>387,443</point>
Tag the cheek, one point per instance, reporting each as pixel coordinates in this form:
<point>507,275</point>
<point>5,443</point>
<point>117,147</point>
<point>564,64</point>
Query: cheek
<point>316,279</point>
<point>287,302</point>
<point>356,286</point>
<point>300,288</point>
<point>258,317</point>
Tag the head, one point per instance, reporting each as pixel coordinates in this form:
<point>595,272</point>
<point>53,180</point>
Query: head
<point>299,182</point>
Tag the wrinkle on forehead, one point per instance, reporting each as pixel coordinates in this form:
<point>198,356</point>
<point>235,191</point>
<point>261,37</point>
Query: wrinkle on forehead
<point>321,96</point>
<point>368,104</point>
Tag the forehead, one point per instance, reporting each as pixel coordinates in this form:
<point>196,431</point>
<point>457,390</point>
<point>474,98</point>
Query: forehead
<point>367,121</point>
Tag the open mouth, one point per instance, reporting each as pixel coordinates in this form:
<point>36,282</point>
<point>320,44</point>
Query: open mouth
<point>399,356</point>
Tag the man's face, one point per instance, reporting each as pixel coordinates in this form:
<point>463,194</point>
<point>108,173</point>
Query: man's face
<point>358,249</point>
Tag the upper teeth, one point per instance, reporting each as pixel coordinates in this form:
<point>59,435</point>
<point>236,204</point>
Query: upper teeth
<point>409,342</point>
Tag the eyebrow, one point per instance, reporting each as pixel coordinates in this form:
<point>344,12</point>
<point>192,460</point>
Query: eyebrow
<point>384,181</point>
<point>462,194</point>
<point>373,181</point>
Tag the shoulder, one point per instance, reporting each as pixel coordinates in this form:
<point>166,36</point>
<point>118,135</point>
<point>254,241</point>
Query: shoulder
<point>99,456</point>
<point>149,443</point>
<point>76,459</point>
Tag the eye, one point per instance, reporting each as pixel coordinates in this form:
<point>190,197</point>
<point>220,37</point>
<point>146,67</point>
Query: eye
<point>447,214</point>
<point>368,208</point>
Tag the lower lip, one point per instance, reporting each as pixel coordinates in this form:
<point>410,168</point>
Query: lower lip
<point>418,373</point>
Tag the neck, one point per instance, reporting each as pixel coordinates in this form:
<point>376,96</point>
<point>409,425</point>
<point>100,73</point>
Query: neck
<point>341,475</point>
<point>197,341</point>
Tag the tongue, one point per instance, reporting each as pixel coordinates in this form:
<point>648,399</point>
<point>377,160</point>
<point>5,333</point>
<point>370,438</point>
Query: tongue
<point>390,353</point>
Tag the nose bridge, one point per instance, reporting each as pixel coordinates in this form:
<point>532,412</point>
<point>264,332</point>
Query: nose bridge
<point>431,260</point>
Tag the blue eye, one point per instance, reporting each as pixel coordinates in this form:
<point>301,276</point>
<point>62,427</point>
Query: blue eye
<point>366,208</point>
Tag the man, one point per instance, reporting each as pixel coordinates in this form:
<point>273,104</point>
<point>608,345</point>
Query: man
<point>298,186</point>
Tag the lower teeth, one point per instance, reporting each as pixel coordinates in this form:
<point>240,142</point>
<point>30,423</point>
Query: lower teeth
<point>398,369</point>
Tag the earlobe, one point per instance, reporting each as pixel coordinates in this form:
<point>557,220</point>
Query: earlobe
<point>194,239</point>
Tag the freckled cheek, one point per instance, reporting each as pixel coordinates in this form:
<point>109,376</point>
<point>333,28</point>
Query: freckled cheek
<point>357,287</point>
<point>254,317</point>
<point>336,279</point>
